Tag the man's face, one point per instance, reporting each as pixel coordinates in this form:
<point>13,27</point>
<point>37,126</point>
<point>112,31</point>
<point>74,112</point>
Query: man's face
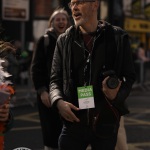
<point>82,12</point>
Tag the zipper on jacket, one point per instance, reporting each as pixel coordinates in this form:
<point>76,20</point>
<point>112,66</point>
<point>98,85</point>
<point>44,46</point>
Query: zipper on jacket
<point>90,78</point>
<point>88,110</point>
<point>88,59</point>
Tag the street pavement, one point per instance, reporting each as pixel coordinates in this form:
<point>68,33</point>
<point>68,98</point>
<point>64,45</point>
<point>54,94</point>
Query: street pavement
<point>27,132</point>
<point>137,123</point>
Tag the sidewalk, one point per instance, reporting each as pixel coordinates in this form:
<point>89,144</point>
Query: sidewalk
<point>24,95</point>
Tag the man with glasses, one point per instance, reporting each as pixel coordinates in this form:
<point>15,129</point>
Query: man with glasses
<point>92,75</point>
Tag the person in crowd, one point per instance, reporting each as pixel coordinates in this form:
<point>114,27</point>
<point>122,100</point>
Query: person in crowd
<point>141,53</point>
<point>40,73</point>
<point>86,59</point>
<point>13,68</point>
<point>142,58</point>
<point>6,90</point>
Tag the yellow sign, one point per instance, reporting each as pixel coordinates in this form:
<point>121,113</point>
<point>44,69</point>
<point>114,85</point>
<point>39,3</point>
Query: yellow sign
<point>137,25</point>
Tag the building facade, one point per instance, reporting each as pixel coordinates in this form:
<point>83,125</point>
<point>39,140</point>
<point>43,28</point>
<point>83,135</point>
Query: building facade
<point>132,15</point>
<point>137,21</point>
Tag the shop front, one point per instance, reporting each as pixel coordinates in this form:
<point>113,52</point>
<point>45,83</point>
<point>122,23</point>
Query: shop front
<point>139,31</point>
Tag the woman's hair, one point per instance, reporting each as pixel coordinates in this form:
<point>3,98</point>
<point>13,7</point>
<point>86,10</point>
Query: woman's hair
<point>58,11</point>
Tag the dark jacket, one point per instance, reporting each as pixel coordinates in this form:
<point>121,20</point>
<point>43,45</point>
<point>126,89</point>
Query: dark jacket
<point>42,59</point>
<point>41,62</point>
<point>111,50</point>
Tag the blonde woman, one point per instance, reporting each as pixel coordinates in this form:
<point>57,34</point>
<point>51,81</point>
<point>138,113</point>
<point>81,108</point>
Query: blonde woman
<point>40,72</point>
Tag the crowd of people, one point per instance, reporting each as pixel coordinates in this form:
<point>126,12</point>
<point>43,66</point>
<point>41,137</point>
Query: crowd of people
<point>82,74</point>
<point>19,65</point>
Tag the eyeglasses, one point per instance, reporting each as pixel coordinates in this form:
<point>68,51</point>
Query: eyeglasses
<point>78,3</point>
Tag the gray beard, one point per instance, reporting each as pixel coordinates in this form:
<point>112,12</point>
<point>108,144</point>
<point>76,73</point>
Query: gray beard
<point>80,22</point>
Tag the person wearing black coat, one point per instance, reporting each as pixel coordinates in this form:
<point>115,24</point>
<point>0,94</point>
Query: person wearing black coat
<point>86,57</point>
<point>40,73</point>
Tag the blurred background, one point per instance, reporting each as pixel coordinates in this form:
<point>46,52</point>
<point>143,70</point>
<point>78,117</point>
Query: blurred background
<point>24,21</point>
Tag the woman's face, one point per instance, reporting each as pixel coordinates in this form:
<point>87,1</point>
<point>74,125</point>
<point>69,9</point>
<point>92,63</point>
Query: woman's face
<point>60,23</point>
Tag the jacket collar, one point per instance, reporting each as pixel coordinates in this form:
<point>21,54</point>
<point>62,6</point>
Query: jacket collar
<point>102,25</point>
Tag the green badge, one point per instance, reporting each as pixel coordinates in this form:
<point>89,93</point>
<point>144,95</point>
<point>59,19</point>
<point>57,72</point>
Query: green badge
<point>85,97</point>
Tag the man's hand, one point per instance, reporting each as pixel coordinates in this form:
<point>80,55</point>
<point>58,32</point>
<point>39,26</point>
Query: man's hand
<point>66,112</point>
<point>45,99</point>
<point>110,93</point>
<point>4,112</point>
